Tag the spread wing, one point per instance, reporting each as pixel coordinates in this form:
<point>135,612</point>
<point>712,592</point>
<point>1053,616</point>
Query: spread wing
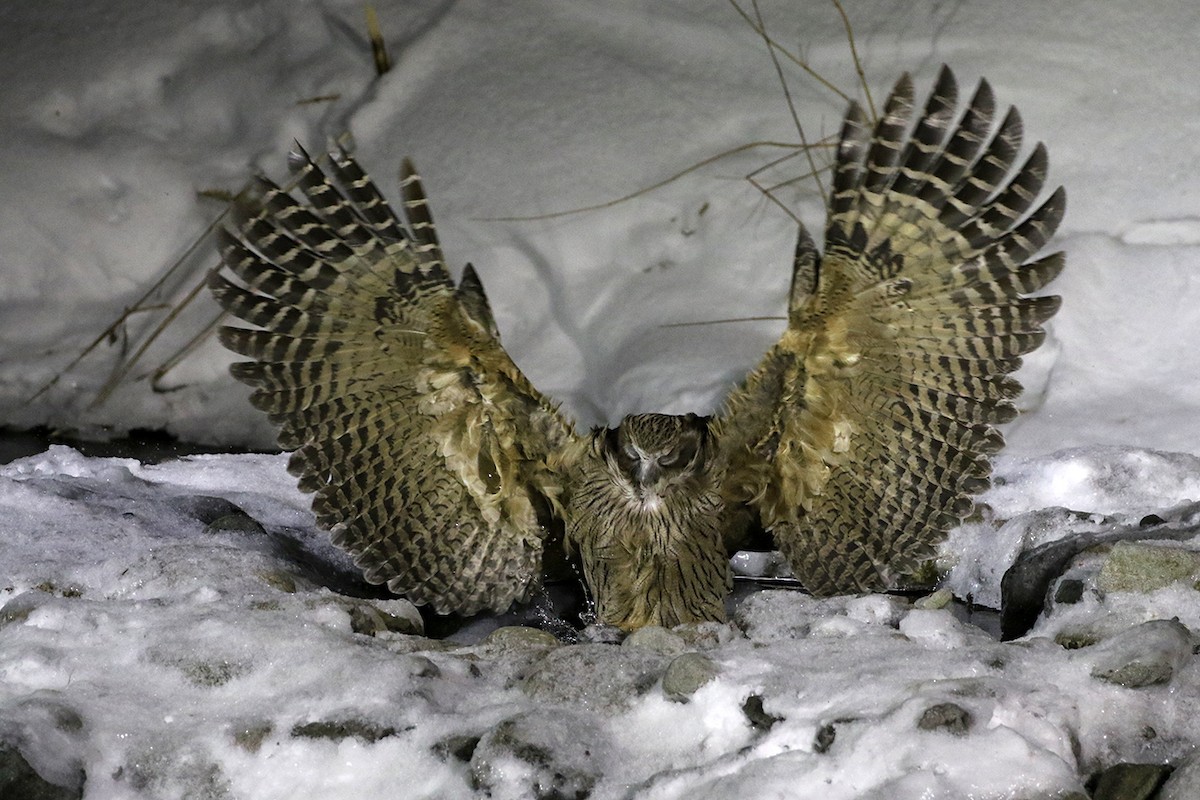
<point>862,435</point>
<point>425,446</point>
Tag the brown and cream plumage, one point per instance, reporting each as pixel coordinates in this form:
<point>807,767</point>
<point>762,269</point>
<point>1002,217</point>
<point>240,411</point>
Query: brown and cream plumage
<point>857,442</point>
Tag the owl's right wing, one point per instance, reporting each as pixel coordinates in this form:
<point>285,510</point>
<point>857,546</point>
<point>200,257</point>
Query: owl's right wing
<point>862,435</point>
<point>426,447</point>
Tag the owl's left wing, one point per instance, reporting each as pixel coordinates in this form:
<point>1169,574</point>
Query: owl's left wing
<point>866,429</point>
<point>427,449</point>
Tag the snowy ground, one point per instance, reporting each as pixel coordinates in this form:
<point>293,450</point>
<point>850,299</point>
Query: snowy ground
<point>156,640</point>
<point>145,643</point>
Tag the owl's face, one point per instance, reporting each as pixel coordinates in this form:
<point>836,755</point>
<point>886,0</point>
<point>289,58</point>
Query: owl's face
<point>650,453</point>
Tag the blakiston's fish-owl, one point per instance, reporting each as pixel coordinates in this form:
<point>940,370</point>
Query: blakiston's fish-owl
<point>856,442</point>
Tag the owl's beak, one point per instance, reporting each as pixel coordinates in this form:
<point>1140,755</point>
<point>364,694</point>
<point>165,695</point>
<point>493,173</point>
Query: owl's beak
<point>648,473</point>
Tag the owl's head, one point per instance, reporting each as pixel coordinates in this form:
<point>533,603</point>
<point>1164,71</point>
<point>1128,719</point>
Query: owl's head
<point>652,452</point>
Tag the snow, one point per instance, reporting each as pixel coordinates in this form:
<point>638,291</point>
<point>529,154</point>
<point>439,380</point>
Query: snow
<point>535,107</point>
<point>166,658</point>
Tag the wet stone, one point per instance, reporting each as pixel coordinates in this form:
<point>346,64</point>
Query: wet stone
<point>686,674</point>
<point>656,639</point>
<point>549,754</point>
<point>1145,655</point>
<point>948,717</point>
<point>520,637</point>
<point>20,780</point>
<point>1069,592</point>
<point>18,609</point>
<point>1076,638</point>
<point>336,730</point>
<point>383,616</point>
<point>460,747</point>
<point>1130,781</point>
<point>825,737</point>
<point>250,736</point>
<point>238,522</point>
<point>210,510</point>
<point>597,677</point>
<point>939,599</point>
<point>278,579</point>
<point>759,719</point>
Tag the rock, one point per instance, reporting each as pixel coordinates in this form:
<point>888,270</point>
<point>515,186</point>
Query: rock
<point>549,754</point>
<point>250,735</point>
<point>686,674</point>
<point>1069,592</point>
<point>373,617</point>
<point>459,747</point>
<point>759,719</point>
<point>1130,781</point>
<point>216,513</point>
<point>705,635</point>
<point>520,637</point>
<point>827,734</point>
<point>1145,655</point>
<point>364,730</point>
<point>238,522</point>
<point>19,780</point>
<point>18,609</point>
<point>1076,638</point>
<point>1137,567</point>
<point>948,717</point>
<point>1024,587</point>
<point>278,579</point>
<point>656,639</point>
<point>1184,783</point>
<point>596,677</point>
<point>939,599</point>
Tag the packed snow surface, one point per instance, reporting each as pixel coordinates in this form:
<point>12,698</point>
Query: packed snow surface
<point>162,651</point>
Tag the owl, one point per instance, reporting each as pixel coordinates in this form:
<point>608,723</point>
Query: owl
<point>856,443</point>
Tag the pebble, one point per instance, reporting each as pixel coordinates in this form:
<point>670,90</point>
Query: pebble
<point>596,677</point>
<point>686,674</point>
<point>521,637</point>
<point>656,639</point>
<point>1130,781</point>
<point>1144,655</point>
<point>948,717</point>
<point>549,754</point>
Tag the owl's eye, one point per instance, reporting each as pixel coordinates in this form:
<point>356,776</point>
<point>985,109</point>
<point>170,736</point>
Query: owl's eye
<point>669,459</point>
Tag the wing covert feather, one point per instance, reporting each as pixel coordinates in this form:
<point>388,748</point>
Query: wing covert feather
<point>864,432</point>
<point>425,446</point>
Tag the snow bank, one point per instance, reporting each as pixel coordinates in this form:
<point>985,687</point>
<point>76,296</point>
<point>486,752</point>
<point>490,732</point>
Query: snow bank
<point>533,107</point>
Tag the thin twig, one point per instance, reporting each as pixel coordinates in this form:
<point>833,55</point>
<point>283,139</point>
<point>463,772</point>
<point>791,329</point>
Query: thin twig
<point>118,375</point>
<point>183,352</point>
<point>137,306</point>
<point>787,94</point>
<point>862,77</point>
<point>383,63</point>
<point>720,321</point>
<point>801,63</point>
<point>645,190</point>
